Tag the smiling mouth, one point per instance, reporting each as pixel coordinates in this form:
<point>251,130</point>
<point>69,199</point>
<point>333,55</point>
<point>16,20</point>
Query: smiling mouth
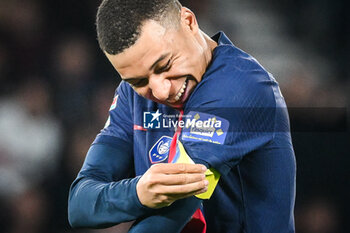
<point>181,91</point>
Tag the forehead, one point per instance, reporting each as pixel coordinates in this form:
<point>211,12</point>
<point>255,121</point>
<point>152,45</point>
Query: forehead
<point>153,41</point>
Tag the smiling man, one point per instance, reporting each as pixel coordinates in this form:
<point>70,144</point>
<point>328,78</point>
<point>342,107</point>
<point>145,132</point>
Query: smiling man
<point>169,67</point>
<point>168,59</point>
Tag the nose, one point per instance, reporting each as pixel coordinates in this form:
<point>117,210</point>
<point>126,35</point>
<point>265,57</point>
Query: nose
<point>160,87</point>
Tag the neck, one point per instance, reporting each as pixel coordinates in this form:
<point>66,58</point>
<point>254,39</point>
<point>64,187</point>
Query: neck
<point>209,47</point>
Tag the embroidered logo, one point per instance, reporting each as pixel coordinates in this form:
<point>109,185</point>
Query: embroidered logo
<point>114,103</point>
<point>160,150</point>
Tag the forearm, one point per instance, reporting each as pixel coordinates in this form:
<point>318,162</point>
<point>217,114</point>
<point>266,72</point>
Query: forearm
<point>170,219</point>
<point>103,195</point>
<point>97,204</point>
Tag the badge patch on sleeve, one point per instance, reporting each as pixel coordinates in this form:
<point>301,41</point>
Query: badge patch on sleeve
<point>160,150</point>
<point>204,127</point>
<point>114,103</point>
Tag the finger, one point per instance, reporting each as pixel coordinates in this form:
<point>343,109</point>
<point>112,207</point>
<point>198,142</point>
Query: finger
<point>185,188</point>
<point>175,197</point>
<point>176,168</point>
<point>175,179</point>
<point>168,199</point>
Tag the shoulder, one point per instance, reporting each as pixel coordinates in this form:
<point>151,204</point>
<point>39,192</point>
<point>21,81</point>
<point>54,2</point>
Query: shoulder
<point>235,79</point>
<point>124,90</point>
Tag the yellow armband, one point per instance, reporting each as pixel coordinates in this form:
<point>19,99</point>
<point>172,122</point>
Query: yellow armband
<point>213,177</point>
<point>211,174</point>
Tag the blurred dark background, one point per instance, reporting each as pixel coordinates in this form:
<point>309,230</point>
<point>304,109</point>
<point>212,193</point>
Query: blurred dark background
<point>56,87</point>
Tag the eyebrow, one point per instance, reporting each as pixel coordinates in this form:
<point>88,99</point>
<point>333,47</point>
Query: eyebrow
<point>132,79</point>
<point>152,66</point>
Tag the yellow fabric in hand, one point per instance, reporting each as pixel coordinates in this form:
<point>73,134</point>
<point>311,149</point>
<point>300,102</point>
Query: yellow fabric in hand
<point>213,177</point>
<point>211,174</point>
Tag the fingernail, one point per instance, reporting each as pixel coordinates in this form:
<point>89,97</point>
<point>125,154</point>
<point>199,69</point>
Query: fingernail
<point>206,182</point>
<point>204,168</point>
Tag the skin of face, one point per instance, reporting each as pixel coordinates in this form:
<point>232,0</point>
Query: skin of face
<point>166,63</point>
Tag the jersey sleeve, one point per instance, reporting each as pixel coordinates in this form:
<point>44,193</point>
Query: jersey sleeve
<point>120,120</point>
<point>172,218</point>
<point>104,192</point>
<point>245,102</point>
<point>103,195</point>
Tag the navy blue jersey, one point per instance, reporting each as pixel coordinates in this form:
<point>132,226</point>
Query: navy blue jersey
<point>235,121</point>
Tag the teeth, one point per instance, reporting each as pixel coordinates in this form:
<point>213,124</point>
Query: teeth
<point>182,90</point>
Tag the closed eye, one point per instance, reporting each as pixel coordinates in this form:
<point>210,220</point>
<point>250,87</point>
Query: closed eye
<point>164,68</point>
<point>138,82</point>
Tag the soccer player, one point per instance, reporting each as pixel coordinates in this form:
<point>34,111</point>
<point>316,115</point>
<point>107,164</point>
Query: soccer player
<point>234,125</point>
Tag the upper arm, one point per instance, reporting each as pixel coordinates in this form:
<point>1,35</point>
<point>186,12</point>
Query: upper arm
<point>245,103</point>
<point>107,162</point>
<point>120,120</point>
<point>111,153</point>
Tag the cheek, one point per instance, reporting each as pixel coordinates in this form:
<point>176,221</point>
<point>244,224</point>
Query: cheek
<point>194,59</point>
<point>186,64</point>
<point>194,65</point>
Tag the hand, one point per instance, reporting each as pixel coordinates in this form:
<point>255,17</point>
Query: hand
<point>164,183</point>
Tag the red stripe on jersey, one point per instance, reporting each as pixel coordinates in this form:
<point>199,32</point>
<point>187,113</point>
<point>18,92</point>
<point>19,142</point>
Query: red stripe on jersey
<point>139,127</point>
<point>197,224</point>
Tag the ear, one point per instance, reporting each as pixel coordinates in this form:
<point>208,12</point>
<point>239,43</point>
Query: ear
<point>188,20</point>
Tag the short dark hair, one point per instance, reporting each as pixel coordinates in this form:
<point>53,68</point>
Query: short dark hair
<point>119,22</point>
